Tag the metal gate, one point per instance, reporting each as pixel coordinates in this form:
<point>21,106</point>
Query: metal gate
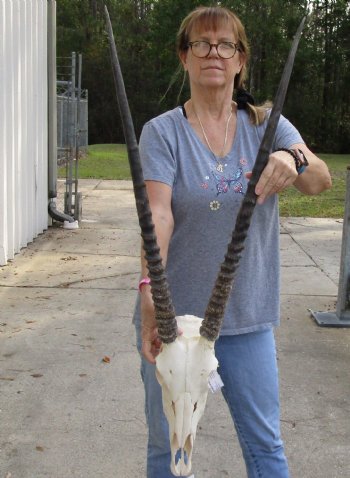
<point>72,127</point>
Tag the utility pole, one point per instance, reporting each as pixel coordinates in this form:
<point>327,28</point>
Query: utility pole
<point>341,317</point>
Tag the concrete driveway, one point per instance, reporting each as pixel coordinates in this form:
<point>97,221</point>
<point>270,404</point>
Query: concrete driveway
<point>71,397</point>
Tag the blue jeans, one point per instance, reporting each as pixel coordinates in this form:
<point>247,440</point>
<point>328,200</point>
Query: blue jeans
<point>248,368</point>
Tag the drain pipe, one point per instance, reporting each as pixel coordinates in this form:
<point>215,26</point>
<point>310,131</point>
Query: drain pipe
<point>52,120</point>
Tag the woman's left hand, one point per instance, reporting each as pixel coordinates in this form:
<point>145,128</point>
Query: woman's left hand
<point>279,173</point>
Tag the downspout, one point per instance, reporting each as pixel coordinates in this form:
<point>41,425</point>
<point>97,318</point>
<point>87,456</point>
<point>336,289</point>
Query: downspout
<point>52,117</point>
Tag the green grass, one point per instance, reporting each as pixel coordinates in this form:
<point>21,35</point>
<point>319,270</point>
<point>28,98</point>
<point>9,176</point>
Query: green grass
<point>109,161</point>
<point>330,203</point>
<point>103,161</point>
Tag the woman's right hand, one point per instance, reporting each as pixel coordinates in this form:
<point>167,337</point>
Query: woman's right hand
<point>149,332</point>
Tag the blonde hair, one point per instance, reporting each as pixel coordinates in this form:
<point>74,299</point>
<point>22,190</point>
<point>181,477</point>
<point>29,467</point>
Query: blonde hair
<point>213,18</point>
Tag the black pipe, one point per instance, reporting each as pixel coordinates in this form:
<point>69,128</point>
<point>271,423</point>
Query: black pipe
<point>57,215</point>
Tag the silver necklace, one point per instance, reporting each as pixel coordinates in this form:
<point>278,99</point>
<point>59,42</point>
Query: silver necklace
<point>220,166</point>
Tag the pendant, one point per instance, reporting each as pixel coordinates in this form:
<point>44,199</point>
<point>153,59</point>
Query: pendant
<point>220,168</point>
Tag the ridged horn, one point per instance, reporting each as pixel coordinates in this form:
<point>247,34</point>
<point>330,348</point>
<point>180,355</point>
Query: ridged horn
<point>214,313</point>
<point>164,310</point>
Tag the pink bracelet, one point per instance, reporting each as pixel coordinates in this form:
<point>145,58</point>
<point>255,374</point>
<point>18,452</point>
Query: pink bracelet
<point>144,281</point>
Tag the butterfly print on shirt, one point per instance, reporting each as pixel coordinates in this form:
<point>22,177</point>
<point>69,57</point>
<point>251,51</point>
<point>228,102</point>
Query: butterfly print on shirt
<point>223,183</point>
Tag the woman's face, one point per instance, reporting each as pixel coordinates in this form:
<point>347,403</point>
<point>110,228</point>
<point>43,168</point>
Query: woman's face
<point>212,71</point>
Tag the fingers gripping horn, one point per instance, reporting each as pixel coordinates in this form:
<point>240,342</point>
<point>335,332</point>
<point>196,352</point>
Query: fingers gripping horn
<point>164,310</point>
<point>214,314</point>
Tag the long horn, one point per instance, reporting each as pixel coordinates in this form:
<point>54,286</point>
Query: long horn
<point>164,310</point>
<point>214,314</point>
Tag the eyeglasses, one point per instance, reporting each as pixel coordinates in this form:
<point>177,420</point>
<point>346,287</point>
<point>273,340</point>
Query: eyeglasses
<point>202,48</point>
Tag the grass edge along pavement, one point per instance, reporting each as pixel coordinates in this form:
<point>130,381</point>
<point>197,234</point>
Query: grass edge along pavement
<point>109,161</point>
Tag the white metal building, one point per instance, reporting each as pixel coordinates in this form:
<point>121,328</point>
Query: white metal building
<point>24,130</point>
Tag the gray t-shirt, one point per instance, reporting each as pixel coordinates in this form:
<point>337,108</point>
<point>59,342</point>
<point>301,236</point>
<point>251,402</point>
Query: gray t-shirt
<point>205,203</point>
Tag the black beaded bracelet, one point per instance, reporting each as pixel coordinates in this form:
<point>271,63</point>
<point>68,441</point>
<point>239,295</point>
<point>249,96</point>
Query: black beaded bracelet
<point>300,164</point>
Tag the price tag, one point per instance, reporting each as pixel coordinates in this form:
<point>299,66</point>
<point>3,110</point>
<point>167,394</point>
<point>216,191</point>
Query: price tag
<point>215,383</point>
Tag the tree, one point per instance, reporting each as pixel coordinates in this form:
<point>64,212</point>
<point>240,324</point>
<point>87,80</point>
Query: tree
<point>318,100</point>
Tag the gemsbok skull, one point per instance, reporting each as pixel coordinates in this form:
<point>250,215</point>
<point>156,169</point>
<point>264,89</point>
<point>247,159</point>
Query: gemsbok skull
<point>185,361</point>
<point>182,369</point>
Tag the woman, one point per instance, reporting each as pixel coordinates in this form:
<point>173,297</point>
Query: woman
<point>197,160</point>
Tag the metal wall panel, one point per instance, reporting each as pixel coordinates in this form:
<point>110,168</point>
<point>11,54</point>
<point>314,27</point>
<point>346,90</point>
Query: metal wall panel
<point>24,120</point>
